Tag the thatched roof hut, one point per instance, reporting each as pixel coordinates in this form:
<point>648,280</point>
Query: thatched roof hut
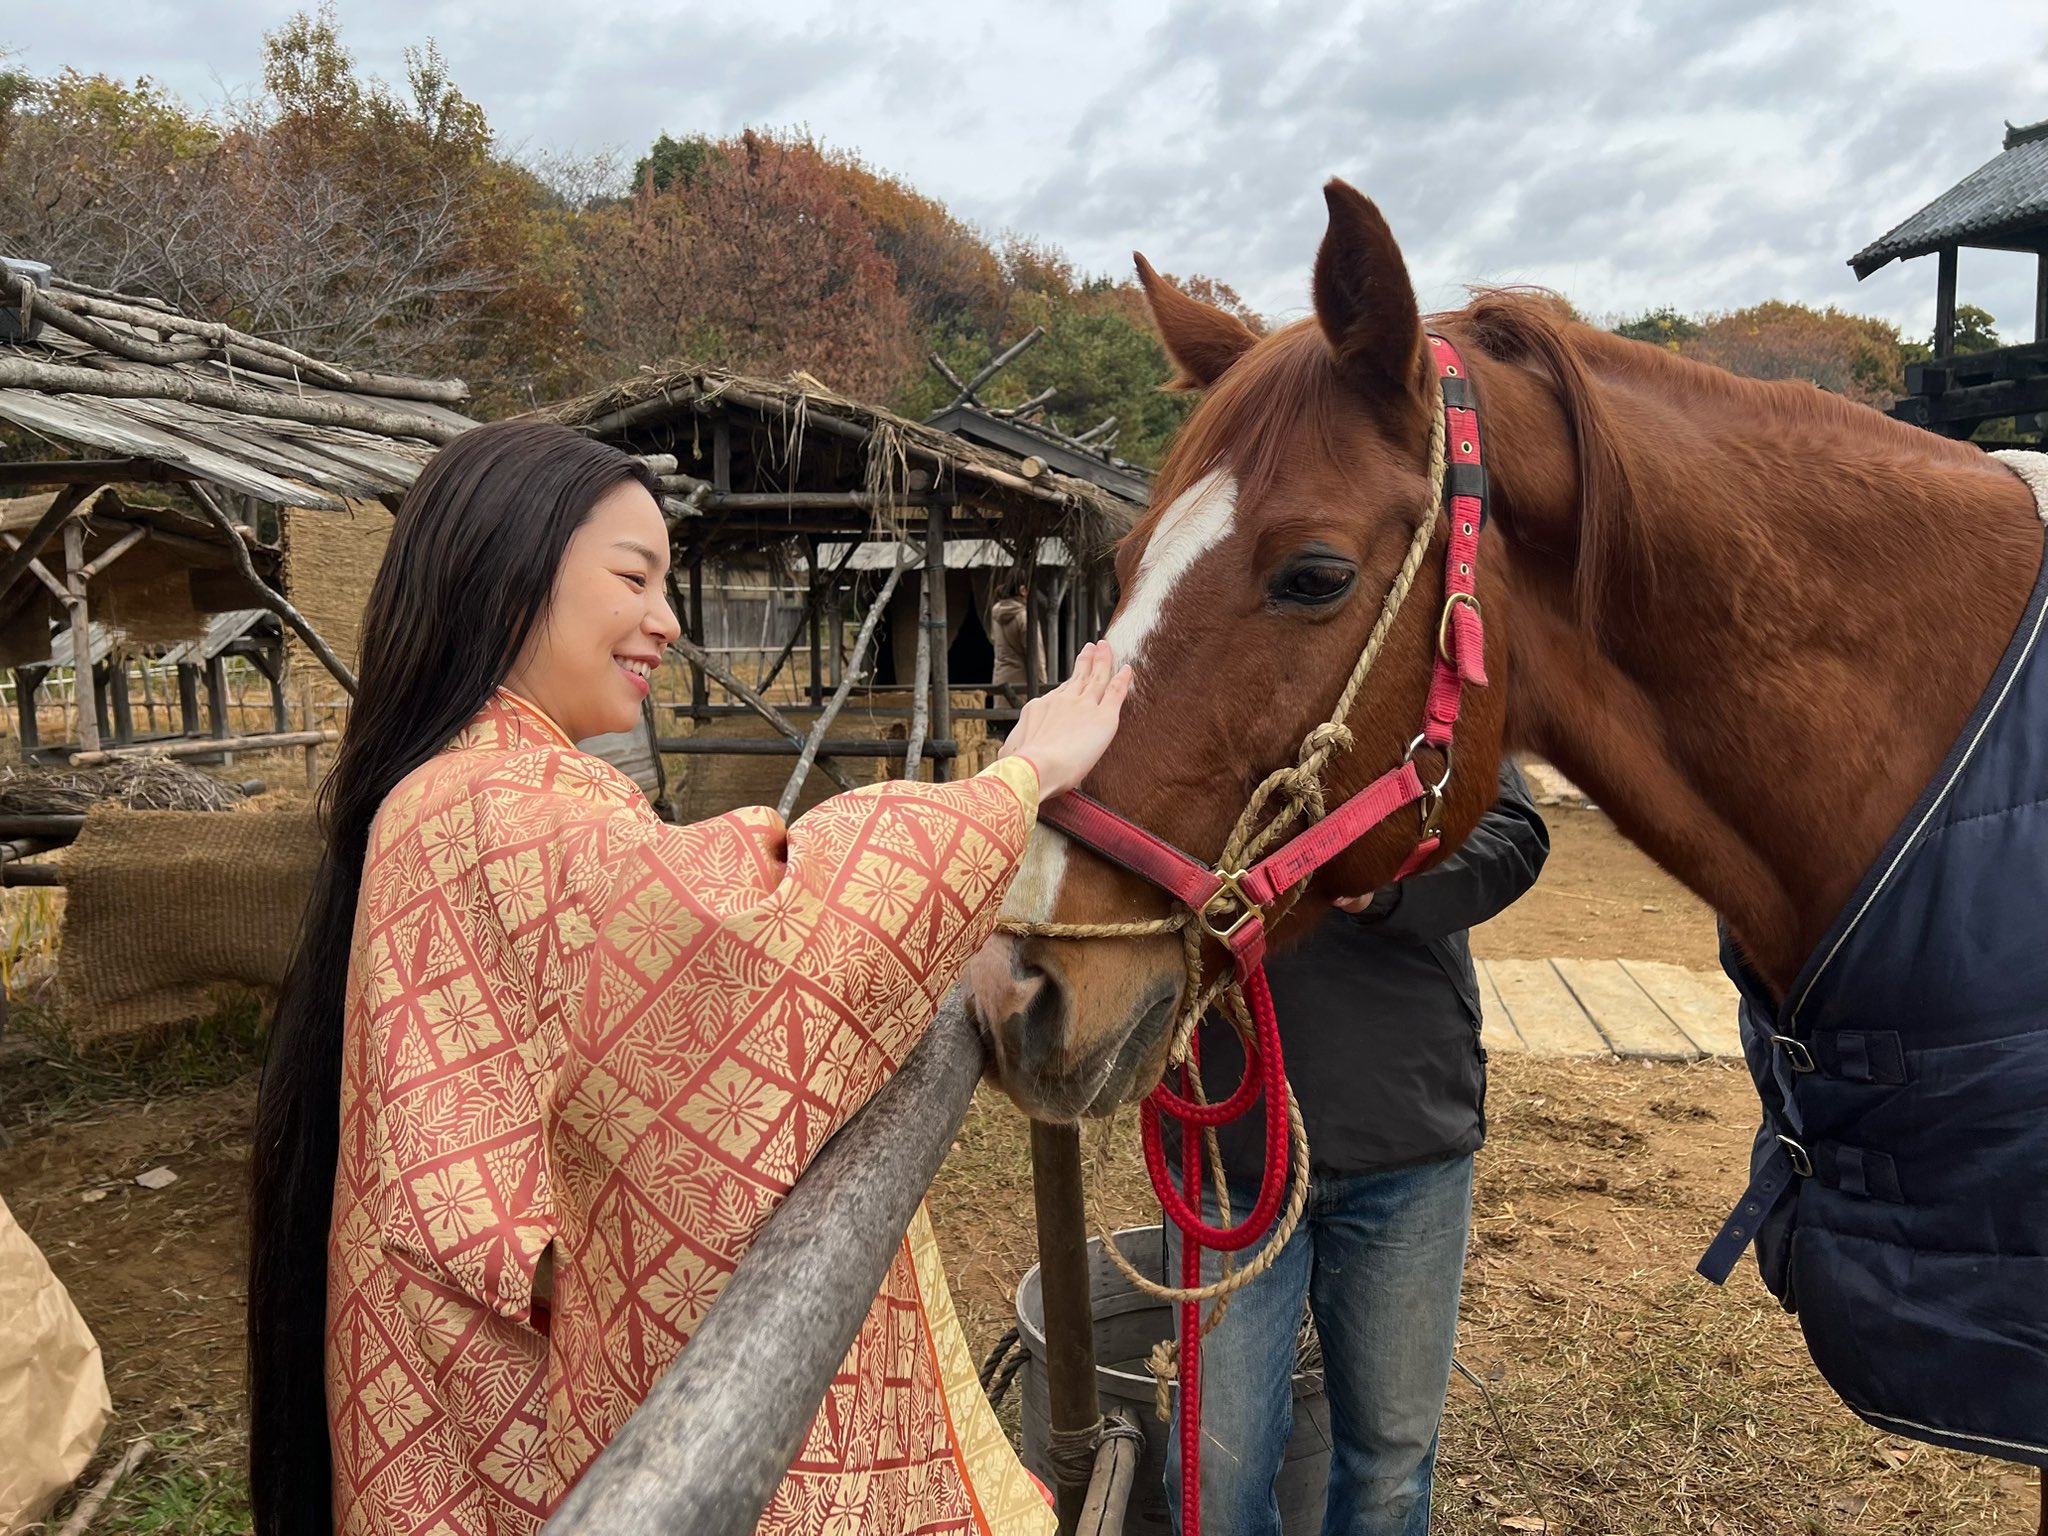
<point>221,444</point>
<point>791,476</point>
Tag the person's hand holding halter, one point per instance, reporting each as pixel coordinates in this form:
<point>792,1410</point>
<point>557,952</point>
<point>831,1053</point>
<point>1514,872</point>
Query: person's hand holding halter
<point>1064,733</point>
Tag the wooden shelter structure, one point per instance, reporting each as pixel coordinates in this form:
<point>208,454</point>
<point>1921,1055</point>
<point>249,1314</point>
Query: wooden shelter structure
<point>2002,205</point>
<point>856,499</point>
<point>181,448</point>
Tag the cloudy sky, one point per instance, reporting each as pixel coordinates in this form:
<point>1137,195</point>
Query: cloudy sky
<point>1702,153</point>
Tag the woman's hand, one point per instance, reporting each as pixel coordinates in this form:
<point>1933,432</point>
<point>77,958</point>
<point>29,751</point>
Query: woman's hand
<point>1065,732</point>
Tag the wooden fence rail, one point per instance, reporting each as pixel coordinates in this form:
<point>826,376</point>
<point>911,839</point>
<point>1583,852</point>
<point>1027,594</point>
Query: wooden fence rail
<point>708,1448</point>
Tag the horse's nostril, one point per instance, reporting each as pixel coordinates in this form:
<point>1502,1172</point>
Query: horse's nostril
<point>1038,1025</point>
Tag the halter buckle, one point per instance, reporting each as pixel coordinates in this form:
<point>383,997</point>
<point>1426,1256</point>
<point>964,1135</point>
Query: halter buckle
<point>1247,910</point>
<point>1443,626</point>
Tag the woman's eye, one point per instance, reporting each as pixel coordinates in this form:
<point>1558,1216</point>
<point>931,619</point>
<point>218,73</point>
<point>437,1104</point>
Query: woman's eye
<point>639,581</point>
<point>1323,582</point>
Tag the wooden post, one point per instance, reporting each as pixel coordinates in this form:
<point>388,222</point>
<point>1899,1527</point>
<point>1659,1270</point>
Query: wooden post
<point>2041,334</point>
<point>760,706</point>
<point>921,679</point>
<point>117,696</point>
<point>148,699</point>
<point>838,634</point>
<point>797,775</point>
<point>312,748</point>
<point>28,682</point>
<point>217,700</point>
<point>1069,1309</point>
<point>188,697</point>
<point>817,640</point>
<point>273,670</point>
<point>1034,639</point>
<point>81,637</point>
<point>1945,305</point>
<point>1109,1490</point>
<point>699,696</point>
<point>942,681</point>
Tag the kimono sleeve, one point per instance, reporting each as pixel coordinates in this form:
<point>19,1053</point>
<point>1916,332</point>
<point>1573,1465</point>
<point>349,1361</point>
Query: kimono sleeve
<point>767,967</point>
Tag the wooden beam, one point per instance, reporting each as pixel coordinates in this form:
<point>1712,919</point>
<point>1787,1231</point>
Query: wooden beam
<point>921,677</point>
<point>82,689</point>
<point>170,384</point>
<point>269,741</point>
<point>2041,318</point>
<point>698,696</point>
<point>935,622</point>
<point>88,472</point>
<point>115,551</point>
<point>795,786</point>
<point>1945,304</point>
<point>28,681</point>
<point>891,747</point>
<point>700,657</point>
<point>1072,1404</point>
<point>46,526</point>
<point>266,598</point>
<point>41,572</point>
<point>1109,1490</point>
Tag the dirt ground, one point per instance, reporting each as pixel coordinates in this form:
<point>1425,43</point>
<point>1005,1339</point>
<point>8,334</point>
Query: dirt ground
<point>1636,1399</point>
<point>1599,898</point>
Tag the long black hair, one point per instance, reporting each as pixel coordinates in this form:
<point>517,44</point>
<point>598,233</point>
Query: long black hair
<point>468,574</point>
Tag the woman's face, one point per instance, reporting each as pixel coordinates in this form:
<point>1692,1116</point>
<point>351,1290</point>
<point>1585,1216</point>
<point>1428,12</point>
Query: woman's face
<point>589,663</point>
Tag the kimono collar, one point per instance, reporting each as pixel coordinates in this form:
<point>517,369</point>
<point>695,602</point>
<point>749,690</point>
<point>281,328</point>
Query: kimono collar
<point>508,723</point>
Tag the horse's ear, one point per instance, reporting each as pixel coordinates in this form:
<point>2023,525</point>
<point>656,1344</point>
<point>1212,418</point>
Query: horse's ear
<point>1203,341</point>
<point>1364,301</point>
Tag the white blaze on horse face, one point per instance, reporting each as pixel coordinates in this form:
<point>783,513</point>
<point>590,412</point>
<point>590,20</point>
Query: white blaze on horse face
<point>1035,893</point>
<point>1195,524</point>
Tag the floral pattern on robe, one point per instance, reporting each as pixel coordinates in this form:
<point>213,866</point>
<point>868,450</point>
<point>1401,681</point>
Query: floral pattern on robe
<point>574,1029</point>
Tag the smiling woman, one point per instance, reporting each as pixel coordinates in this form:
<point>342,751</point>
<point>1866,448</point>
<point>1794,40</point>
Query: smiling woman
<point>544,1063</point>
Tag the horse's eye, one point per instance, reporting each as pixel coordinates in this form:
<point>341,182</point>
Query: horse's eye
<point>1322,581</point>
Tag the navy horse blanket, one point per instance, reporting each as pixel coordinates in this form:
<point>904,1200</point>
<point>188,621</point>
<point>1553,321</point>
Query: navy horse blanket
<point>1899,1184</point>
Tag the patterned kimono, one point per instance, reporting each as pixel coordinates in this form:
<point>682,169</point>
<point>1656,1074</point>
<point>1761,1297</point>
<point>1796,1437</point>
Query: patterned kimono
<point>574,1029</point>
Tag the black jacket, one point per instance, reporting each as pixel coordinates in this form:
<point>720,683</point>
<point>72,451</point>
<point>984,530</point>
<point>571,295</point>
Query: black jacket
<point>1379,1012</point>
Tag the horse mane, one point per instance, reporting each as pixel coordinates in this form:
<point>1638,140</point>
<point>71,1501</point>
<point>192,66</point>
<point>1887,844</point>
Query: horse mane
<point>1533,327</point>
<point>1289,377</point>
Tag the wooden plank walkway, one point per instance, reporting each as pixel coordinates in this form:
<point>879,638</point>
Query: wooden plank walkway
<point>1638,1010</point>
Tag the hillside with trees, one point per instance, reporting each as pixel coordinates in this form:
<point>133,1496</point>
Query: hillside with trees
<point>384,224</point>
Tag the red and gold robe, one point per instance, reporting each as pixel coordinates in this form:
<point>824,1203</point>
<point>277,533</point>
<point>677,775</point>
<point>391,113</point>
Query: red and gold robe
<point>575,1029</point>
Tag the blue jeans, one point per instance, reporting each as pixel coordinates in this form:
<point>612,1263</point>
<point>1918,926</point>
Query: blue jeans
<point>1378,1257</point>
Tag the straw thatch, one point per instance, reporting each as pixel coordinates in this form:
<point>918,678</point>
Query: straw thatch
<point>798,436</point>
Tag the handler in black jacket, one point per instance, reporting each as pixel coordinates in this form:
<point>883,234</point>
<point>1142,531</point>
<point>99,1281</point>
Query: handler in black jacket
<point>1379,1019</point>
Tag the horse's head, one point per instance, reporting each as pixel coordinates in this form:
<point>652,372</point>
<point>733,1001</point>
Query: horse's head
<point>1280,518</point>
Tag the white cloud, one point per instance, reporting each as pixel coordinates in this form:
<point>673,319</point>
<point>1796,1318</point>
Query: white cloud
<point>1629,152</point>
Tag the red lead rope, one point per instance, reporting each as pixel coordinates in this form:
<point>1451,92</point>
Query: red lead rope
<point>1459,662</point>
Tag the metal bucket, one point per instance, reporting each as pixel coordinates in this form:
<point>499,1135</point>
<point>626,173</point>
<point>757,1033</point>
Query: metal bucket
<point>1127,1324</point>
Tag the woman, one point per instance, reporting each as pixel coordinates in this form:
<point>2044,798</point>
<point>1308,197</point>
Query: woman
<point>544,1064</point>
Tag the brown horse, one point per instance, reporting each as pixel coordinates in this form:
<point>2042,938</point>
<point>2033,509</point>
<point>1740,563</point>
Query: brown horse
<point>1749,618</point>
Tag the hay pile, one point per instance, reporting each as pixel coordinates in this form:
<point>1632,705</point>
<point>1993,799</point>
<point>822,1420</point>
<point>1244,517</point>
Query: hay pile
<point>141,785</point>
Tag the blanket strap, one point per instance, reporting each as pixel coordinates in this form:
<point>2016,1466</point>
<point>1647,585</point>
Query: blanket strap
<point>1767,1187</point>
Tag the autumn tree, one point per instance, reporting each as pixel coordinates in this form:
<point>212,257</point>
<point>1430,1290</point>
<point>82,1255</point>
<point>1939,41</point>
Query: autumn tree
<point>371,224</point>
<point>760,262</point>
<point>1852,355</point>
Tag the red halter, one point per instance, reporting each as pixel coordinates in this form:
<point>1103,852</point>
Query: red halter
<point>1230,905</point>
